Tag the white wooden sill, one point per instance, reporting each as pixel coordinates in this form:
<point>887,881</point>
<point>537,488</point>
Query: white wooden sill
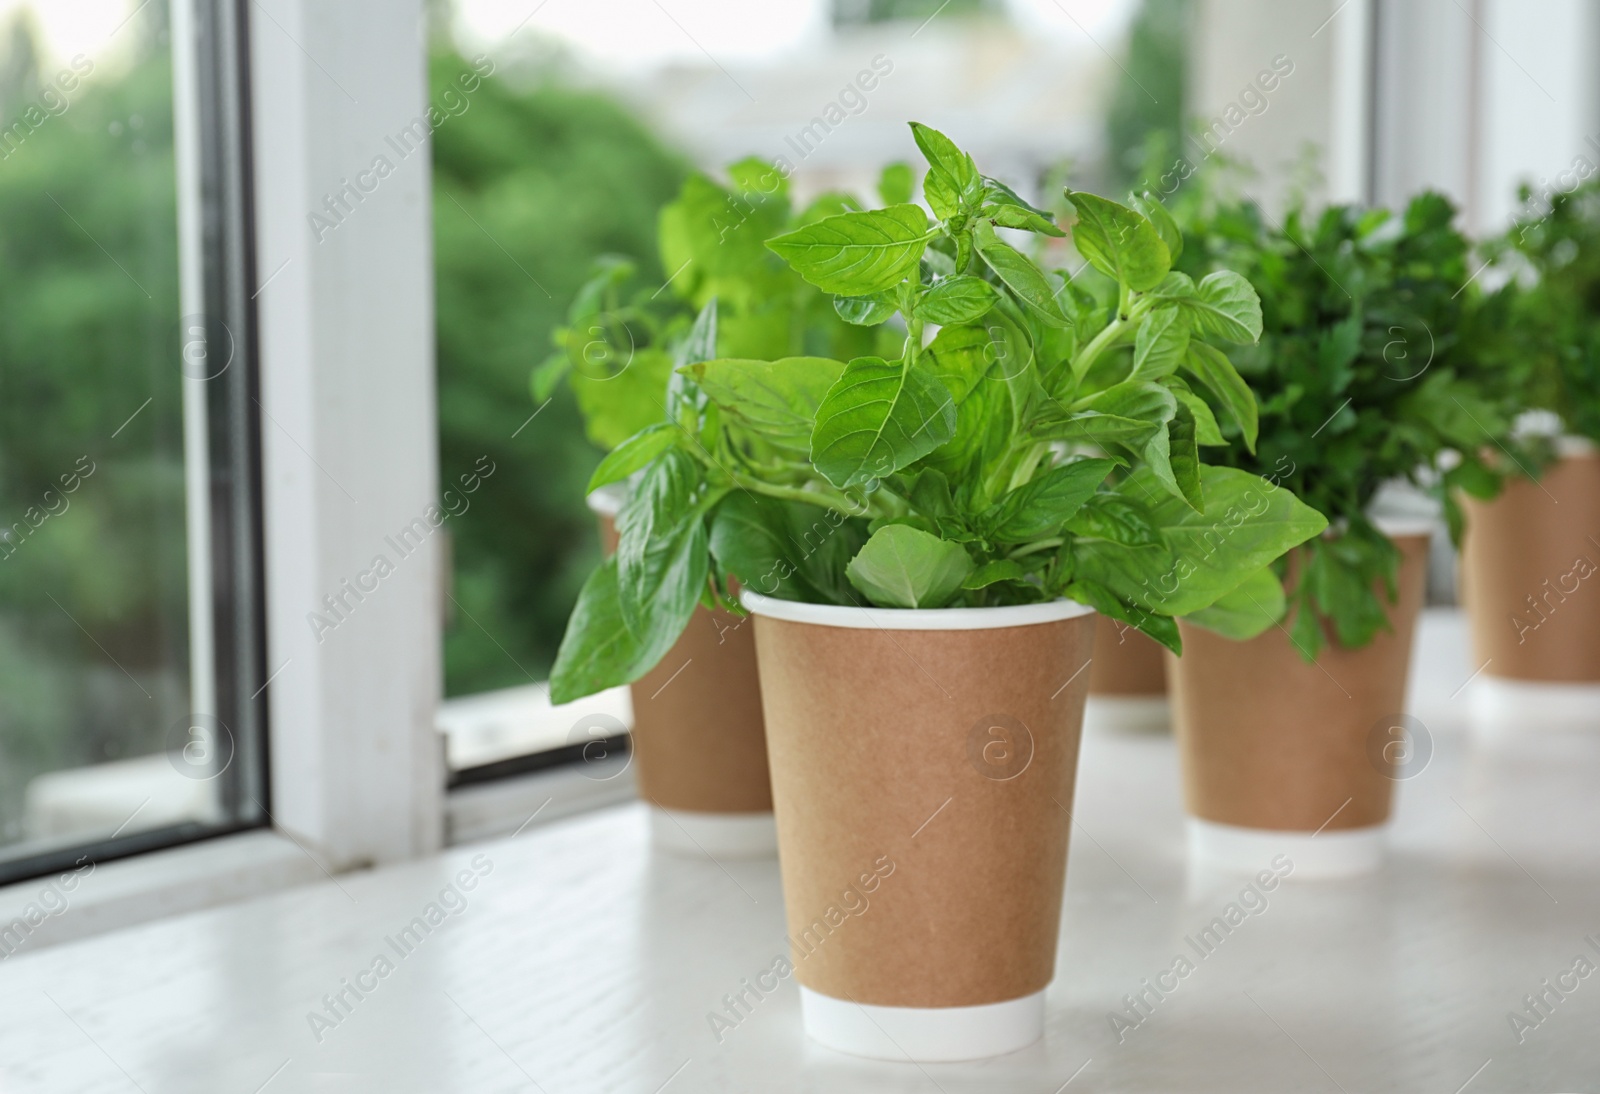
<point>578,960</point>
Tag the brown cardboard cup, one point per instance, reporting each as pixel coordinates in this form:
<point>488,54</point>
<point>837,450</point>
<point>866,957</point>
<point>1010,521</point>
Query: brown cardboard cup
<point>1282,756</point>
<point>923,766</point>
<point>1127,682</point>
<point>1530,581</point>
<point>699,749</point>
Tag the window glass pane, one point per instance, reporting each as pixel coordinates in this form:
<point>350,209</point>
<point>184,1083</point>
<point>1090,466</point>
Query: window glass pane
<point>97,732</point>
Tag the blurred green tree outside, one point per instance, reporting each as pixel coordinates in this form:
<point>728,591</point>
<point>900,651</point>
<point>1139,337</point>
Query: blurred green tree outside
<point>93,592</point>
<point>530,185</point>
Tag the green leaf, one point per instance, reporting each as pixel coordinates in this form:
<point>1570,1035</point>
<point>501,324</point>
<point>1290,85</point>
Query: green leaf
<point>857,254</point>
<point>1156,213</point>
<point>943,196</point>
<point>748,538</point>
<point>548,374</point>
<point>957,300</point>
<point>1248,523</point>
<point>598,650</point>
<point>633,454</point>
<point>661,544</point>
<point>1119,242</point>
<point>895,184</point>
<point>1042,505</point>
<point>1206,431</point>
<point>943,156</point>
<point>1020,275</point>
<point>1138,399</point>
<point>1159,344</point>
<point>616,407</point>
<point>864,311</point>
<point>879,417</point>
<point>778,399</point>
<point>1224,305</point>
<point>1212,368</point>
<point>1115,519</point>
<point>901,567</point>
<point>1162,628</point>
<point>1255,605</point>
<point>1175,459</point>
<point>754,175</point>
<point>993,571</point>
<point>960,357</point>
<point>1002,205</point>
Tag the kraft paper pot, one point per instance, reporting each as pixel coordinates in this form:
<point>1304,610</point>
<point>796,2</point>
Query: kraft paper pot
<point>923,766</point>
<point>1530,580</point>
<point>699,749</point>
<point>1282,757</point>
<point>1127,681</point>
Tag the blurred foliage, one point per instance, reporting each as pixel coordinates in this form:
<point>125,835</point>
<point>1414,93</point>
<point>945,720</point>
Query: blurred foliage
<point>530,185</point>
<point>1144,124</point>
<point>1544,323</point>
<point>92,540</point>
<point>847,12</point>
<point>1365,374</point>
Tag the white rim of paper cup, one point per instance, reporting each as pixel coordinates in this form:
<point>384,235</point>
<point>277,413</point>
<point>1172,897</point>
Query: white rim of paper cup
<point>912,619</point>
<point>607,500</point>
<point>922,1034</point>
<point>1407,525</point>
<point>1501,705</point>
<point>719,835</point>
<point>1331,853</point>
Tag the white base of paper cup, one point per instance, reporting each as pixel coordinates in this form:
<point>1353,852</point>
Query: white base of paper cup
<point>720,835</point>
<point>1128,714</point>
<point>1333,852</point>
<point>1501,705</point>
<point>922,1034</point>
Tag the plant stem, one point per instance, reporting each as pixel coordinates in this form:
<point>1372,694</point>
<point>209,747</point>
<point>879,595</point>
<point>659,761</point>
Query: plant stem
<point>1038,545</point>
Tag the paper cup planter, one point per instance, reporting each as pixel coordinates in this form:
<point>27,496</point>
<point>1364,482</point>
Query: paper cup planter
<point>699,750</point>
<point>1127,682</point>
<point>1530,580</point>
<point>1282,757</point>
<point>923,766</point>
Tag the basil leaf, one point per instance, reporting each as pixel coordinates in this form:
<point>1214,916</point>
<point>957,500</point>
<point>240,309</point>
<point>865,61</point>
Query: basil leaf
<point>1251,608</point>
<point>633,454</point>
<point>1020,275</point>
<point>1042,505</point>
<point>661,544</point>
<point>901,567</point>
<point>749,540</point>
<point>1248,523</point>
<point>957,300</point>
<point>993,571</point>
<point>1139,399</point>
<point>1002,205</point>
<point>1212,368</point>
<point>1159,344</point>
<point>895,183</point>
<point>598,650</point>
<point>777,399</point>
<point>857,254</point>
<point>616,407</point>
<point>878,417</point>
<point>943,155</point>
<point>1115,519</point>
<point>864,311</point>
<point>1162,628</point>
<point>1225,305</point>
<point>1173,456</point>
<point>960,356</point>
<point>1206,431</point>
<point>1156,213</point>
<point>1118,242</point>
<point>943,196</point>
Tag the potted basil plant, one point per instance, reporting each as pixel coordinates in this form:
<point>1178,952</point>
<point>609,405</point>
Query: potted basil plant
<point>1530,552</point>
<point>1292,741</point>
<point>922,539</point>
<point>699,750</point>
